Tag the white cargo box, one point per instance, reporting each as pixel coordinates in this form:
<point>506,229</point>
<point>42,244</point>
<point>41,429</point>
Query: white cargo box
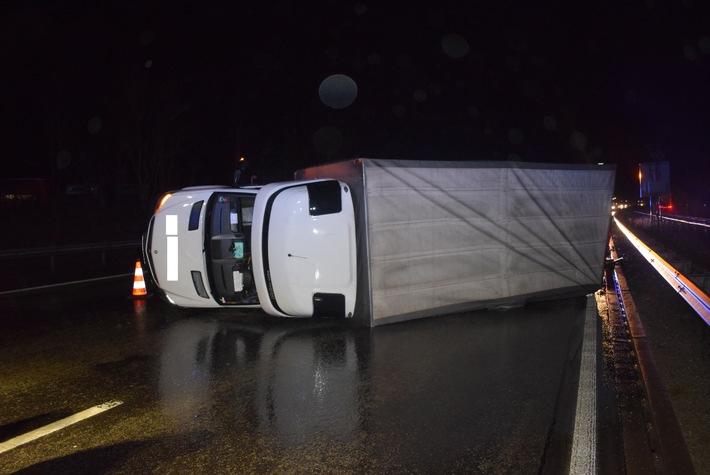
<point>436,237</point>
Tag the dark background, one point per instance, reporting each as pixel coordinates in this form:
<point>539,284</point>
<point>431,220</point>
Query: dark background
<point>134,98</point>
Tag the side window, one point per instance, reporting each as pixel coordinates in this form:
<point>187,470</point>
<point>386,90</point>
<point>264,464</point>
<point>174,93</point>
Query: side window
<point>231,214</point>
<point>324,198</point>
<point>241,211</point>
<point>247,210</point>
<point>195,216</point>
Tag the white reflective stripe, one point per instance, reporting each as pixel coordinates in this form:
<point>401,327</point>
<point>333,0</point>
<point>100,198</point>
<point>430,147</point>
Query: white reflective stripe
<point>171,225</point>
<point>171,230</point>
<point>172,258</point>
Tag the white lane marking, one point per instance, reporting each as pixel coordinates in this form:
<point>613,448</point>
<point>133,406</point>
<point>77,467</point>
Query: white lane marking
<point>584,439</point>
<point>55,426</point>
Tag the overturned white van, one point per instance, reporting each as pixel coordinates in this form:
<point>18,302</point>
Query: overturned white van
<point>386,240</point>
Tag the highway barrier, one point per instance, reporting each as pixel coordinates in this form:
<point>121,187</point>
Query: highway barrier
<point>691,293</point>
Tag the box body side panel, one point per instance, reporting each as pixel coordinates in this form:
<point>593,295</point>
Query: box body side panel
<point>454,236</point>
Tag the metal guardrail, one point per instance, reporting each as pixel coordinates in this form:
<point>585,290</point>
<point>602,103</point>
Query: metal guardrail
<point>692,221</point>
<point>29,290</point>
<point>69,249</point>
<point>53,251</point>
<point>703,222</point>
<point>661,447</point>
<point>696,298</point>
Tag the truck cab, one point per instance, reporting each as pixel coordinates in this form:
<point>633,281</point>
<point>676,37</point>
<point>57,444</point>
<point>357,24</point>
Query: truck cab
<point>304,249</point>
<point>288,248</point>
<point>198,247</point>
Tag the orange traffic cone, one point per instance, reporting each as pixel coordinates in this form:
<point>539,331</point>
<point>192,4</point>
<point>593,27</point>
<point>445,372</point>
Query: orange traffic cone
<point>139,289</point>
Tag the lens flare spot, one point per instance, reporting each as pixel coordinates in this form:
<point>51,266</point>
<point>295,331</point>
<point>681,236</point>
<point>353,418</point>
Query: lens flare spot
<point>338,91</point>
<point>578,140</point>
<point>550,123</point>
<point>419,95</point>
<point>516,136</point>
<point>454,46</point>
<point>94,125</point>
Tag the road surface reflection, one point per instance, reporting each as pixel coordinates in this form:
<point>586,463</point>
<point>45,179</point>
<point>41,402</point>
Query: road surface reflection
<point>302,380</point>
<point>449,391</point>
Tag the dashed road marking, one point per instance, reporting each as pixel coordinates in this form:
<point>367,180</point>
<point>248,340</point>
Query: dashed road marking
<point>55,426</point>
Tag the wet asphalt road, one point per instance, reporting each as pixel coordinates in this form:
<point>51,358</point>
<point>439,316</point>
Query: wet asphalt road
<point>225,392</point>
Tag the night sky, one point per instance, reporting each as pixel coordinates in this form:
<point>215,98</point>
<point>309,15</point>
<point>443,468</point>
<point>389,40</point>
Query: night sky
<point>170,94</point>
